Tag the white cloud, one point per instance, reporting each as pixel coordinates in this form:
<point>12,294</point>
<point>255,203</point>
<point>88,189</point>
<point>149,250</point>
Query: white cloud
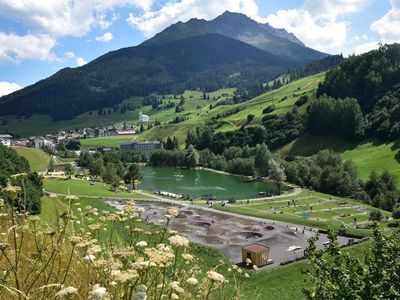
<point>366,47</point>
<point>16,47</point>
<point>153,21</point>
<point>67,17</point>
<point>8,87</point>
<point>324,37</point>
<point>319,24</point>
<point>70,55</point>
<point>80,62</point>
<point>388,26</point>
<point>332,9</point>
<point>105,37</point>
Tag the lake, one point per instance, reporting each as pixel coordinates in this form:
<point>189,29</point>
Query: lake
<point>197,183</point>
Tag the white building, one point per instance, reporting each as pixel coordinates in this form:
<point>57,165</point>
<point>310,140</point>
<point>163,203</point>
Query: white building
<point>143,118</point>
<point>43,143</point>
<point>5,139</point>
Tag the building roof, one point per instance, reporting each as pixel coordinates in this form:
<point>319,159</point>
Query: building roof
<point>5,136</point>
<point>256,248</point>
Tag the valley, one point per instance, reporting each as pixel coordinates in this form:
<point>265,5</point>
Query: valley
<point>221,158</point>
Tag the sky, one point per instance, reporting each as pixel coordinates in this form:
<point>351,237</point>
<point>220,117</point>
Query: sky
<point>39,38</point>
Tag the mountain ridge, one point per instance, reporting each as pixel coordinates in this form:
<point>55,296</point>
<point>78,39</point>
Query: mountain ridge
<point>243,28</point>
<point>201,58</point>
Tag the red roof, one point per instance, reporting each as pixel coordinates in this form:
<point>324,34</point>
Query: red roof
<point>256,248</point>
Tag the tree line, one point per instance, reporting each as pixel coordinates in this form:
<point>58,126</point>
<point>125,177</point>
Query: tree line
<point>113,167</point>
<point>31,186</point>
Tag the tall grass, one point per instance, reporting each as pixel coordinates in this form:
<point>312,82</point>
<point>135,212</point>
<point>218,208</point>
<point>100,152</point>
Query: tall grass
<point>90,254</point>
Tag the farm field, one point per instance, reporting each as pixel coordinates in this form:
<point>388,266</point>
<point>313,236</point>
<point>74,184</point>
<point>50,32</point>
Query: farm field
<point>38,159</point>
<point>309,209</point>
<point>85,188</point>
<point>367,155</point>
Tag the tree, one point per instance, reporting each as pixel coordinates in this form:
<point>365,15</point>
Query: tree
<point>192,157</point>
<point>396,213</point>
<point>109,173</point>
<point>73,145</point>
<point>250,118</point>
<point>69,170</point>
<point>191,138</point>
<point>51,165</point>
<point>277,173</point>
<point>132,175</point>
<point>96,168</point>
<point>335,275</point>
<point>375,215</point>
<point>261,161</point>
<point>141,128</point>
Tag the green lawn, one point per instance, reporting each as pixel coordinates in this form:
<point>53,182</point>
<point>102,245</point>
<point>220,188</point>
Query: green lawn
<point>83,188</point>
<point>108,141</point>
<point>38,159</point>
<point>368,155</point>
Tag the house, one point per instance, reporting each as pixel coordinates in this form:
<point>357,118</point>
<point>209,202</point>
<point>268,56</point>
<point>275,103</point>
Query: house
<point>5,139</point>
<point>258,254</point>
<point>143,147</point>
<point>143,118</point>
<point>126,132</point>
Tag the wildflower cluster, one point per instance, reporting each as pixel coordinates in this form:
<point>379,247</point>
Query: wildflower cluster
<point>87,253</point>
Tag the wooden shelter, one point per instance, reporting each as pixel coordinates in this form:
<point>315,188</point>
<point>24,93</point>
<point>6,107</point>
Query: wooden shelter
<point>258,254</point>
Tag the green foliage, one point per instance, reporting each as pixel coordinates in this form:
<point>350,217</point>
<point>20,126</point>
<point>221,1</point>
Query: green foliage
<point>371,78</point>
<point>396,213</point>
<point>132,175</point>
<point>11,163</point>
<point>335,275</point>
<point>261,160</point>
<point>73,145</point>
<point>325,172</point>
<point>382,190</point>
<point>30,183</point>
<point>340,117</point>
<point>375,215</point>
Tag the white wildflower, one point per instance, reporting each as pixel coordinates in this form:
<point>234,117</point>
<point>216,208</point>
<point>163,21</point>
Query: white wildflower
<point>141,244</point>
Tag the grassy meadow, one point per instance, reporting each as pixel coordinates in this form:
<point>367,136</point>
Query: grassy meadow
<point>367,155</point>
<point>85,188</point>
<point>38,159</point>
<point>108,141</point>
<point>231,117</point>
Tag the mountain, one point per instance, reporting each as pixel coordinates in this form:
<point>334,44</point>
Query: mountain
<point>192,55</point>
<point>243,28</point>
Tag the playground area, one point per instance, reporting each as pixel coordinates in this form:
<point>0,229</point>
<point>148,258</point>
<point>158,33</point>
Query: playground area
<point>231,233</point>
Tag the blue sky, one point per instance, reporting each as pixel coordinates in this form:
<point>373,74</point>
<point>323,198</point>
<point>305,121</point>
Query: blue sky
<point>38,38</point>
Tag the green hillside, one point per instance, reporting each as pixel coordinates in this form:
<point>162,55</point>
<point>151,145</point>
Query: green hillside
<point>368,155</point>
<point>38,160</point>
<point>231,117</point>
